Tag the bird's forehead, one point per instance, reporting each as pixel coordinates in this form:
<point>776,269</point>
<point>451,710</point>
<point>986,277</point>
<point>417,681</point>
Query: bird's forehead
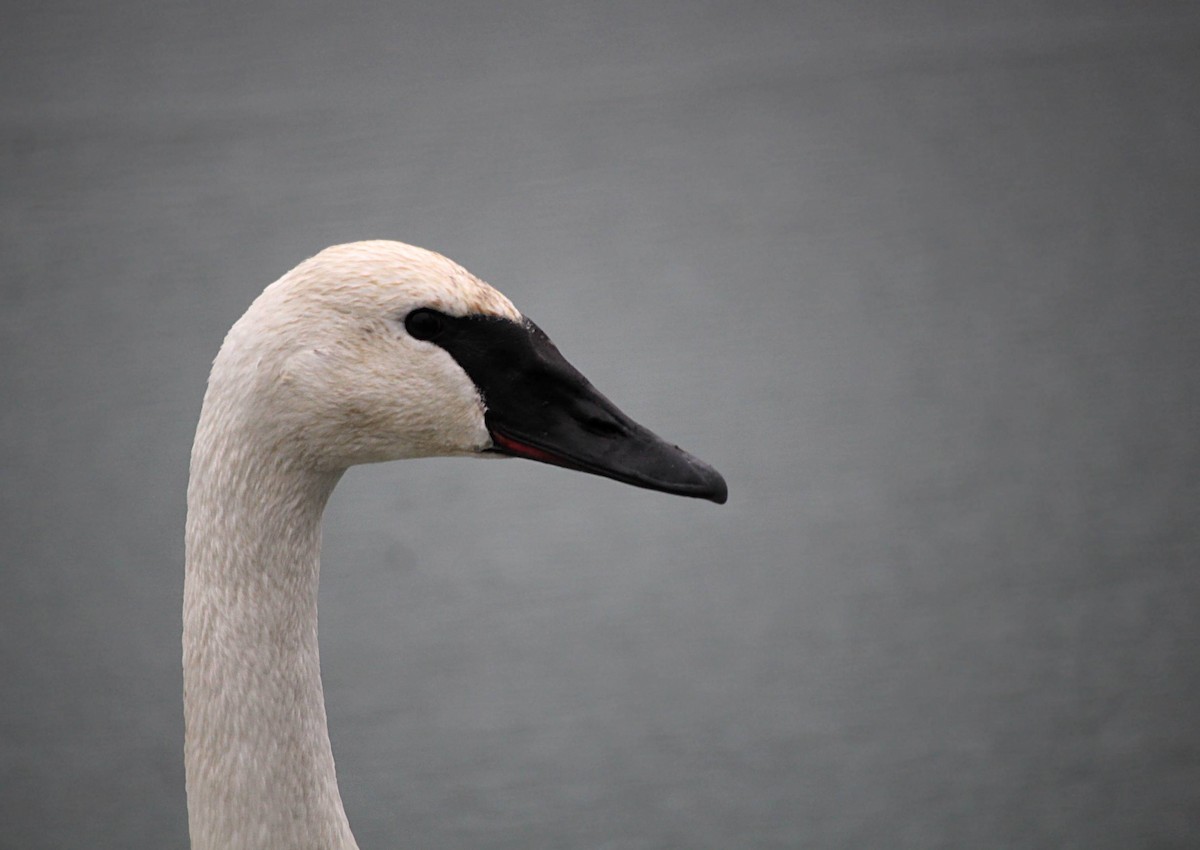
<point>395,275</point>
<point>458,294</point>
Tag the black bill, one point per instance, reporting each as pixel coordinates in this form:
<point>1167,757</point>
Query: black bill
<point>538,406</point>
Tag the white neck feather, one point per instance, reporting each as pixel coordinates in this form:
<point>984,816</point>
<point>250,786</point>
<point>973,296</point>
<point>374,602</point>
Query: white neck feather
<point>260,771</point>
<point>316,376</point>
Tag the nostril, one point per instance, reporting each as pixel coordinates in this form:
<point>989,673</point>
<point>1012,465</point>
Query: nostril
<point>602,427</point>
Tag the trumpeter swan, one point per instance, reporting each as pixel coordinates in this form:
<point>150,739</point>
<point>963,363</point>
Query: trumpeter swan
<point>367,352</point>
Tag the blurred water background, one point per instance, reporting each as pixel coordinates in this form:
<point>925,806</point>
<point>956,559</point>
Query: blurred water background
<point>919,278</point>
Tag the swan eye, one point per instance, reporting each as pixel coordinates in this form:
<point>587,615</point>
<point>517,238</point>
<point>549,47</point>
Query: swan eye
<point>424,324</point>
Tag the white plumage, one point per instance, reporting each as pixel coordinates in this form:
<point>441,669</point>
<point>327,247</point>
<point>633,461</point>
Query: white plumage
<point>320,374</point>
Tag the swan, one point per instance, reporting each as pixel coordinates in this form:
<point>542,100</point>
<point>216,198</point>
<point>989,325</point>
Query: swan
<point>366,352</point>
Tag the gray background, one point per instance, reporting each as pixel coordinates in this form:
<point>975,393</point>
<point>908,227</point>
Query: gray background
<point>919,278</point>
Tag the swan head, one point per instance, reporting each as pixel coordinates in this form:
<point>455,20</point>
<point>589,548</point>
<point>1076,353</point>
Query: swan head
<point>376,351</point>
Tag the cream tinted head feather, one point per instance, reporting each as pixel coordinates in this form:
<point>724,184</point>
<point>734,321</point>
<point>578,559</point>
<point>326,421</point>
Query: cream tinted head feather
<point>378,351</point>
<point>382,274</point>
<point>334,377</point>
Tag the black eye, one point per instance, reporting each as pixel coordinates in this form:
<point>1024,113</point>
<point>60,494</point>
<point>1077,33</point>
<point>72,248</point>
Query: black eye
<point>424,324</point>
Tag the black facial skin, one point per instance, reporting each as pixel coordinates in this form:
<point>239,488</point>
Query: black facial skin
<point>538,406</point>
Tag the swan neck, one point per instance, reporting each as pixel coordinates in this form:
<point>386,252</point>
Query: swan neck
<point>260,771</point>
